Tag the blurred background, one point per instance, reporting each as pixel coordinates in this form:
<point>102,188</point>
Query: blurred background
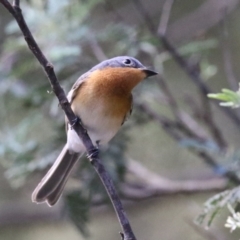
<point>178,150</point>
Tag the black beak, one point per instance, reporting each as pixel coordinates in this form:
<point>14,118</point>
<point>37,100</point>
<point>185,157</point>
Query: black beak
<point>149,73</point>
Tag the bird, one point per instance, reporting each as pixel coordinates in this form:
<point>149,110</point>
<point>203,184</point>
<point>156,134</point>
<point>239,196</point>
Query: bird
<point>102,99</point>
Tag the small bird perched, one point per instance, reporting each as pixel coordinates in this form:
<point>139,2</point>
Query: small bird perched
<point>102,99</point>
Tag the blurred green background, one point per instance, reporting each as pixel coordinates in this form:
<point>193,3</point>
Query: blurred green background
<point>75,35</point>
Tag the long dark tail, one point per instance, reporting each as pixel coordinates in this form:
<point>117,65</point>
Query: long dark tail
<point>51,186</point>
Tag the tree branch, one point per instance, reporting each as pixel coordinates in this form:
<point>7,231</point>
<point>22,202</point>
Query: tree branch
<point>227,60</point>
<point>172,127</point>
<point>183,120</point>
<point>144,14</point>
<point>194,76</point>
<point>166,9</point>
<point>200,20</point>
<point>150,184</point>
<point>92,151</point>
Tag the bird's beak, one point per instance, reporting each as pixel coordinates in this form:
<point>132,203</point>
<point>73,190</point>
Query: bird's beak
<point>149,73</point>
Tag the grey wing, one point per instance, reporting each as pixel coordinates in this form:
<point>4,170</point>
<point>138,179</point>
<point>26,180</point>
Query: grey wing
<point>76,86</point>
<point>72,93</point>
<point>129,112</point>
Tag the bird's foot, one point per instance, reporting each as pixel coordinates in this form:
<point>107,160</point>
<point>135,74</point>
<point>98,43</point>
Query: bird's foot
<point>76,121</point>
<point>93,153</point>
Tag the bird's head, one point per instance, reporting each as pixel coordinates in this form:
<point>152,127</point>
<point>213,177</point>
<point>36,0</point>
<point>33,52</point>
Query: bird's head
<point>126,63</point>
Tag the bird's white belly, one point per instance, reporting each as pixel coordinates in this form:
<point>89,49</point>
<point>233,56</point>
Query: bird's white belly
<point>100,127</point>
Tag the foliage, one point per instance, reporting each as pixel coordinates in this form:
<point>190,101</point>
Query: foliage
<point>230,98</point>
<point>233,221</point>
<point>215,204</point>
<point>231,197</point>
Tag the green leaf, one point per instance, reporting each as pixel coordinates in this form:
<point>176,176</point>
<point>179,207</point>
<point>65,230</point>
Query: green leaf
<point>230,98</point>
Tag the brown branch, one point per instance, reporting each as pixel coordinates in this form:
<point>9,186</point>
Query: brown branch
<point>92,151</point>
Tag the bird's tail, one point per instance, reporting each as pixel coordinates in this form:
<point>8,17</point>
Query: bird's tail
<point>51,186</point>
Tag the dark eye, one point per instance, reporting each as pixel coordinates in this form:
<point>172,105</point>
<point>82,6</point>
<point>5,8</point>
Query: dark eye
<point>127,62</point>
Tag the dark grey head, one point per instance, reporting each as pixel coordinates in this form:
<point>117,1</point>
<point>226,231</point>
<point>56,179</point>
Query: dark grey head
<point>124,61</point>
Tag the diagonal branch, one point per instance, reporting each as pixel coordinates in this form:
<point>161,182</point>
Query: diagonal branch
<point>165,16</point>
<point>92,151</point>
<point>192,72</point>
<point>171,128</point>
<point>226,52</point>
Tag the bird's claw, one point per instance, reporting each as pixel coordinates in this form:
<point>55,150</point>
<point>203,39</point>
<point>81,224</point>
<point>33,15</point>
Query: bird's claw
<point>93,154</point>
<point>75,121</point>
<point>78,120</point>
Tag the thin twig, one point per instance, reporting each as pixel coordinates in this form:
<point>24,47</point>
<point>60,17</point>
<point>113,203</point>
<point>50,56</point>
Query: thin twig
<point>207,15</point>
<point>227,56</point>
<point>195,76</point>
<point>143,12</point>
<point>96,48</point>
<point>183,120</point>
<point>92,151</point>
<point>110,5</point>
<point>192,125</point>
<point>193,73</point>
<point>167,124</point>
<point>176,129</point>
<point>153,181</point>
<point>217,168</point>
<point>208,119</point>
<point>170,98</point>
<point>165,17</point>
<point>171,128</point>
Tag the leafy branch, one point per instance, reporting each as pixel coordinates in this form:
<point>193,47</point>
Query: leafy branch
<point>229,98</point>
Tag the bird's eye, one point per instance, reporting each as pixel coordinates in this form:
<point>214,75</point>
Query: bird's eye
<point>127,62</point>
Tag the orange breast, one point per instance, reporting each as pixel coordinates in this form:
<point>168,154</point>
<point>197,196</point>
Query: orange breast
<point>110,87</point>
